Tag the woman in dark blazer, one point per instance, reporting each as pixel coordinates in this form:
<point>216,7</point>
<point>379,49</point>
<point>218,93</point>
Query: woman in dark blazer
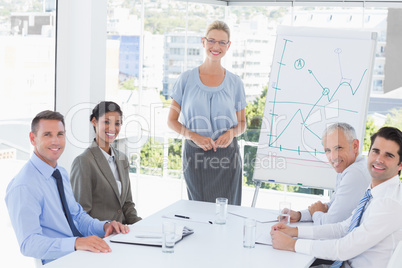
<point>100,175</point>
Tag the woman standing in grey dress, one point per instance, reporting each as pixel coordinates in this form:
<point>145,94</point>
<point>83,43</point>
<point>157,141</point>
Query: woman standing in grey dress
<point>211,101</point>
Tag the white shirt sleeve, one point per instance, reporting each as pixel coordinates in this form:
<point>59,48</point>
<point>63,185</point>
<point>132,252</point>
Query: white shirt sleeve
<point>341,245</point>
<point>305,215</point>
<point>346,198</point>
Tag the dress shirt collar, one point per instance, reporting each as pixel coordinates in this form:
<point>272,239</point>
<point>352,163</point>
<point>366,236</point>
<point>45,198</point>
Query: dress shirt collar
<point>384,187</point>
<point>107,156</point>
<point>358,159</point>
<point>45,169</point>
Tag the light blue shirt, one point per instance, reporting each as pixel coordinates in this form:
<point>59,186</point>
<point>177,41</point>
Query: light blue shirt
<point>37,215</point>
<point>350,187</point>
<point>209,111</point>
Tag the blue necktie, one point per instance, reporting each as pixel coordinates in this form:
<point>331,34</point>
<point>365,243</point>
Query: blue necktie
<point>356,220</point>
<point>59,181</point>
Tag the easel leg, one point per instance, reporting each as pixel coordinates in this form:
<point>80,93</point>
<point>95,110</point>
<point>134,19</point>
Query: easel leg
<point>257,188</point>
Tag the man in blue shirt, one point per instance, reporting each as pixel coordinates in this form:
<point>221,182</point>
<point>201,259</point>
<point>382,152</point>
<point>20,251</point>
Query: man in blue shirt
<point>341,147</point>
<point>49,224</point>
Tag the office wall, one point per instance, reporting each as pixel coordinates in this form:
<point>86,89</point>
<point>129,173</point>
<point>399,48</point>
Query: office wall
<point>393,51</point>
<point>81,60</point>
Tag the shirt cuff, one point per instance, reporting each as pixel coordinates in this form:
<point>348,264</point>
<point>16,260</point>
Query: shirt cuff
<point>305,215</point>
<point>317,216</point>
<point>99,228</point>
<point>303,246</point>
<point>67,244</point>
<point>305,231</point>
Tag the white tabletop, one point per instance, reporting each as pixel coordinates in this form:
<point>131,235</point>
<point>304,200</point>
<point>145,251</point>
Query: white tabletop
<point>211,245</point>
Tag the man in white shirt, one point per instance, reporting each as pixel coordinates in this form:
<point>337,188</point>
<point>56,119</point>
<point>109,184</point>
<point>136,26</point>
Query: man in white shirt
<point>379,227</point>
<point>342,150</point>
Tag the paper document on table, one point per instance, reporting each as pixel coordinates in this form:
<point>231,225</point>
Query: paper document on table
<point>149,235</point>
<point>190,216</point>
<point>260,215</point>
<point>264,239</point>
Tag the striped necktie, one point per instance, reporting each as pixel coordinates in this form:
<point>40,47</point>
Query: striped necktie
<point>59,181</point>
<point>356,219</point>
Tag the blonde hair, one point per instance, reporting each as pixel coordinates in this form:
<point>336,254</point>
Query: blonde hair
<point>218,25</point>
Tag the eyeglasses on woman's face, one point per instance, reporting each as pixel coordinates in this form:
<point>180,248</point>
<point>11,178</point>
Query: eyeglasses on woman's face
<point>213,42</point>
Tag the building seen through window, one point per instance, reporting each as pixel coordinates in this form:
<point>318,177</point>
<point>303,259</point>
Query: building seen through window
<point>27,70</point>
<point>177,47</point>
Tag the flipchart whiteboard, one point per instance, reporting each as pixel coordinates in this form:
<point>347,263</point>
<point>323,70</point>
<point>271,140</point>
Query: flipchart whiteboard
<point>318,77</point>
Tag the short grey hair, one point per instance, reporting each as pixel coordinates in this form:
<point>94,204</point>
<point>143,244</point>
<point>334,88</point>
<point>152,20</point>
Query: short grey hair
<point>347,130</point>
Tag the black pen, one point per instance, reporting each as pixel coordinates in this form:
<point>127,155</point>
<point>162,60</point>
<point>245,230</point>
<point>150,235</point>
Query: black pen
<point>181,216</point>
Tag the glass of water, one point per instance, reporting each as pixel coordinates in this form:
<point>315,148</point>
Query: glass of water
<point>168,237</point>
<point>221,210</point>
<point>249,229</point>
<point>284,212</point>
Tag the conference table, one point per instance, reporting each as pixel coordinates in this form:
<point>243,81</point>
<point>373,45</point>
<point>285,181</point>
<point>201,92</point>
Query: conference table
<point>211,245</point>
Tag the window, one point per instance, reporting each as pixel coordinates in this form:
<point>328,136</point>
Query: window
<point>193,52</point>
<point>27,71</point>
<point>27,86</point>
<point>170,44</point>
<point>143,61</point>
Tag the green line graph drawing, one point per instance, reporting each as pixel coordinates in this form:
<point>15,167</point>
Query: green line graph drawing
<point>310,104</point>
<point>318,77</point>
<point>325,97</point>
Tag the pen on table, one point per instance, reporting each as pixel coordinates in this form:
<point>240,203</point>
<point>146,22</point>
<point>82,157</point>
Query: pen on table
<point>181,216</point>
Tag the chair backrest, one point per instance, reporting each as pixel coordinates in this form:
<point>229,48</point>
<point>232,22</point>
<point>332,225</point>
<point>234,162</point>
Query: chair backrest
<point>396,258</point>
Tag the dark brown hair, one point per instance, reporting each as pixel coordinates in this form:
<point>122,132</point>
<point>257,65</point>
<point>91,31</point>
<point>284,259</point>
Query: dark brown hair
<point>103,108</point>
<point>46,115</point>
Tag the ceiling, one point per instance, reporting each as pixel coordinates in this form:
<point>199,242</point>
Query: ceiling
<point>361,3</point>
